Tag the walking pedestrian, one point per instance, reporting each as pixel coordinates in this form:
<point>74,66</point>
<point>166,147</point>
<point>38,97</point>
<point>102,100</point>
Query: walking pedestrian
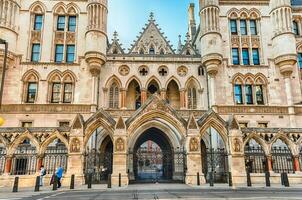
<point>59,174</point>
<point>42,174</point>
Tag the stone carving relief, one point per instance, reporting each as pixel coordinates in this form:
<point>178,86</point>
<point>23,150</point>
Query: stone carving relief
<point>124,70</point>
<point>75,145</point>
<point>119,145</point>
<point>236,145</point>
<point>194,144</point>
<point>182,71</point>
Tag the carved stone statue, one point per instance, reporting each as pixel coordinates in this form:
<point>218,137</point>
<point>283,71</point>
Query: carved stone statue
<point>237,145</point>
<point>193,144</point>
<point>75,145</point>
<point>119,145</point>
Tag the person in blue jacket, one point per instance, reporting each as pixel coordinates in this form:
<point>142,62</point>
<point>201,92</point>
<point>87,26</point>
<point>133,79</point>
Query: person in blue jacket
<point>59,174</point>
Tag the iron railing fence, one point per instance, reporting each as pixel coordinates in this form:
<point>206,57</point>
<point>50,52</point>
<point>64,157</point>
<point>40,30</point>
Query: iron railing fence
<point>255,159</point>
<point>54,157</point>
<point>24,161</point>
<point>2,159</point>
<point>282,160</point>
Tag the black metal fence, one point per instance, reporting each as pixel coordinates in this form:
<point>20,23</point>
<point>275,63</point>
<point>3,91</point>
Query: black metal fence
<point>255,159</point>
<point>99,165</point>
<point>216,161</point>
<point>55,156</point>
<point>25,160</point>
<point>300,158</point>
<point>282,160</point>
<point>2,159</point>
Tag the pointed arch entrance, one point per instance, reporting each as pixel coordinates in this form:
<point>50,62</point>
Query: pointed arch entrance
<point>153,159</point>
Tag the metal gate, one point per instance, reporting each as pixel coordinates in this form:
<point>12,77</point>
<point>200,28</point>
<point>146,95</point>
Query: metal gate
<point>2,159</point>
<point>99,165</point>
<point>216,160</point>
<point>25,160</point>
<point>147,165</point>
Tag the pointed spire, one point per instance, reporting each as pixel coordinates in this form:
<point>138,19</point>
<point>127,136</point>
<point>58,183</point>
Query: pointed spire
<point>115,36</point>
<point>151,17</point>
<point>188,38</point>
<point>179,47</point>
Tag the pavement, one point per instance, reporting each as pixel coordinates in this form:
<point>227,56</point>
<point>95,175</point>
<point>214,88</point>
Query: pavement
<point>158,191</point>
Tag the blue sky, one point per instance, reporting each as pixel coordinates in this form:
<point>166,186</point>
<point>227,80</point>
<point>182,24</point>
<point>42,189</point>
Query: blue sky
<point>128,17</point>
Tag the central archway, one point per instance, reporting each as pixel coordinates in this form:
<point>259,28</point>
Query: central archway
<point>154,159</point>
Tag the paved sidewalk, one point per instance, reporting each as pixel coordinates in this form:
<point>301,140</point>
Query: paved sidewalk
<point>28,193</point>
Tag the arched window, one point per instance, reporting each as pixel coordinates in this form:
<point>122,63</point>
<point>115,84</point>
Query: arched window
<point>162,52</point>
<point>192,98</point>
<point>114,96</point>
<point>153,88</point>
<point>61,89</point>
<point>141,51</point>
<point>133,95</point>
<point>151,50</point>
<point>296,28</point>
<point>173,95</point>
<point>30,88</point>
<point>238,92</point>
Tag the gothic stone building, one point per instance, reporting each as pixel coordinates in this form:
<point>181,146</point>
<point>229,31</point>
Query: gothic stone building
<point>225,103</point>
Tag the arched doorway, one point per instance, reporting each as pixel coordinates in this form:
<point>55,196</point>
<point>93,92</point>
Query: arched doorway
<point>214,157</point>
<point>173,95</point>
<point>98,157</point>
<point>153,159</point>
<point>133,95</point>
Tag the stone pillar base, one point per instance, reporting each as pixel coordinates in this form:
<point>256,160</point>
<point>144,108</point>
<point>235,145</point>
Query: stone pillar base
<point>191,179</point>
<point>115,180</point>
<point>239,179</point>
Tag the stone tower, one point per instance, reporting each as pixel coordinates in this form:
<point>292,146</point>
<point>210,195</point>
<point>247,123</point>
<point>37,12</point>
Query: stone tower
<point>211,41</point>
<point>96,42</point>
<point>284,46</point>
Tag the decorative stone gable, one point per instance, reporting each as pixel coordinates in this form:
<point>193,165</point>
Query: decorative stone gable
<point>115,47</point>
<point>188,49</point>
<point>78,122</point>
<point>192,122</point>
<point>233,123</point>
<point>151,37</point>
<point>156,103</point>
<point>120,124</point>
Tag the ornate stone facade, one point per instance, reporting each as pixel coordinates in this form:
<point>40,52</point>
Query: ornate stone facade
<point>234,83</point>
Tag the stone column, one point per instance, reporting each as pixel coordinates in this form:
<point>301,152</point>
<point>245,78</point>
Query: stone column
<point>297,163</point>
<point>39,162</point>
<point>269,163</point>
<point>182,93</point>
<point>8,164</point>
<point>123,98</point>
<point>194,164</point>
<point>143,95</point>
<point>163,93</point>
<point>236,153</point>
<point>94,92</point>
<point>212,89</point>
<point>119,154</point>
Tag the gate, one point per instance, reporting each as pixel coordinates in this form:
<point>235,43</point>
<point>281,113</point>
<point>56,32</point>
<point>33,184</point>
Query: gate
<point>55,156</point>
<point>99,165</point>
<point>2,159</point>
<point>155,165</point>
<point>216,160</point>
<point>25,160</point>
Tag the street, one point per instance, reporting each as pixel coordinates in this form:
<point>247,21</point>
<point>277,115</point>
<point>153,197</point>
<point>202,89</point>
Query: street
<point>162,192</point>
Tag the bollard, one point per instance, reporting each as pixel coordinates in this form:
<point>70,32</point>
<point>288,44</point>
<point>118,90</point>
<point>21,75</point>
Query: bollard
<point>230,179</point>
<point>211,179</point>
<point>198,179</point>
<point>267,179</point>
<point>282,178</point>
<point>89,181</point>
<point>249,181</point>
<point>16,184</point>
<point>37,186</point>
<point>119,180</point>
<point>55,183</point>
<point>72,182</point>
<point>285,179</point>
<point>109,181</point>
